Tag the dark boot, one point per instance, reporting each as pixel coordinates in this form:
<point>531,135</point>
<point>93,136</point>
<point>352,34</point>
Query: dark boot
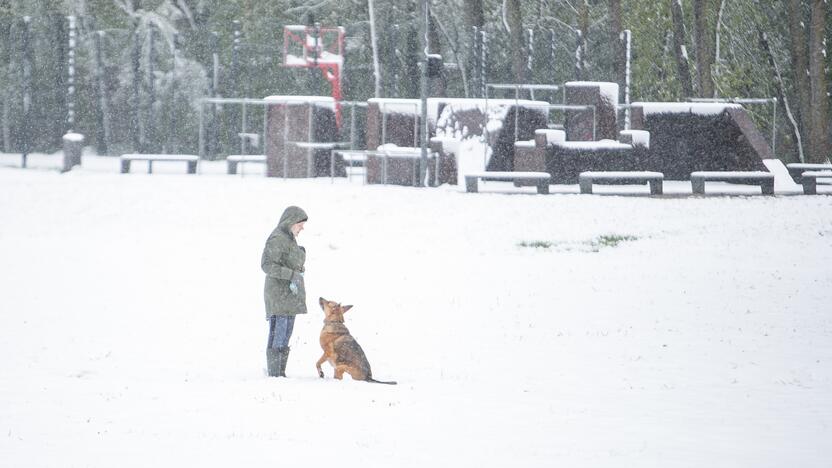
<point>283,356</point>
<point>273,362</point>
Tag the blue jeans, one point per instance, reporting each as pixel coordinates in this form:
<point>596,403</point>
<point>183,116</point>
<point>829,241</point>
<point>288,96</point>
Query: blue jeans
<point>280,330</point>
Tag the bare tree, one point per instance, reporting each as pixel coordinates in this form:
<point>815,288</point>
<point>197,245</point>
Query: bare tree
<point>782,95</point>
<point>800,62</point>
<point>581,51</point>
<point>435,47</point>
<point>514,22</point>
<point>819,146</point>
<point>473,20</point>
<point>679,35</point>
<point>615,41</point>
<point>702,39</point>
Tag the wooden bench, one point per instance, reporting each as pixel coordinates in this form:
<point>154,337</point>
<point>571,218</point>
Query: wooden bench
<point>541,179</point>
<point>654,179</point>
<point>236,159</point>
<point>809,180</point>
<point>764,179</point>
<point>126,159</point>
<point>797,169</point>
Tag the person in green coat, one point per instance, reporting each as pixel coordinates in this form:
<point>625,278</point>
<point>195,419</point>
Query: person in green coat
<point>284,291</point>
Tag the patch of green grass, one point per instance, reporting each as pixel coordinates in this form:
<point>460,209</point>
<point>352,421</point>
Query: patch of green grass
<point>592,245</point>
<point>611,240</point>
<point>537,244</point>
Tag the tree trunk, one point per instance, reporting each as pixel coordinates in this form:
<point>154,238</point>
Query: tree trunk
<point>474,20</point>
<point>819,147</point>
<point>583,37</point>
<point>6,92</point>
<point>782,96</point>
<point>439,83</point>
<point>800,63</point>
<point>681,52</point>
<point>704,58</point>
<point>616,44</point>
<point>514,20</point>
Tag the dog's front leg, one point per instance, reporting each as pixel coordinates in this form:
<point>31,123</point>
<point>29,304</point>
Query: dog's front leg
<point>318,365</point>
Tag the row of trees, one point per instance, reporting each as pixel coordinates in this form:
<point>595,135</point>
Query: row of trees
<point>128,73</point>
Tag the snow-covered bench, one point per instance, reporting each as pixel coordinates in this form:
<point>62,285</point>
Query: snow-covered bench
<point>764,179</point>
<point>654,179</point>
<point>540,179</point>
<point>235,159</point>
<point>809,180</point>
<point>126,159</point>
<point>353,158</point>
<point>796,169</point>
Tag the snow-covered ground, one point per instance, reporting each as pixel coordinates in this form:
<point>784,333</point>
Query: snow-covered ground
<point>525,330</point>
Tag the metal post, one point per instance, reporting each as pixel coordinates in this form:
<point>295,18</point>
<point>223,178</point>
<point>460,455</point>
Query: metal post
<point>554,54</point>
<point>235,47</point>
<point>285,139</point>
<point>172,132</point>
<point>383,125</point>
<point>423,56</point>
<point>201,130</point>
<point>773,127</point>
<point>243,130</point>
<point>484,65</point>
<point>136,130</point>
<point>628,40</point>
<point>70,83</point>
<point>310,137</point>
<point>102,136</point>
<point>27,89</point>
<point>215,77</point>
<point>151,86</point>
<point>530,63</point>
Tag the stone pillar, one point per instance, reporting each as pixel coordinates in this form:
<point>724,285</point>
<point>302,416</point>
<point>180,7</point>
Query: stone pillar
<point>73,146</point>
<point>579,123</point>
<point>300,119</point>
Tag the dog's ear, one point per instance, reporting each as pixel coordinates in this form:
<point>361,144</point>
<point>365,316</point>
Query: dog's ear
<point>346,308</point>
<point>321,301</point>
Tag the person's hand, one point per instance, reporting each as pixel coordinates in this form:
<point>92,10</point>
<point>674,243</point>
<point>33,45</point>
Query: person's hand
<point>293,283</point>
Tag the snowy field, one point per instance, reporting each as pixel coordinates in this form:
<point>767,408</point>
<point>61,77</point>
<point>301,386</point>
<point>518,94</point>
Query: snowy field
<point>524,330</point>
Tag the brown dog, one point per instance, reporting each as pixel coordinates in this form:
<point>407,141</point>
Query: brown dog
<point>341,350</point>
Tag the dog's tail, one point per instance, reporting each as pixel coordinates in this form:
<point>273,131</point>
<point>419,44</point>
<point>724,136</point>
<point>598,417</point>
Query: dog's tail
<point>372,380</point>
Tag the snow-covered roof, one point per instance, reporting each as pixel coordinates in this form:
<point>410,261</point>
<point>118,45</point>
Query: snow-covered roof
<point>77,137</point>
<point>698,108</point>
<point>638,137</point>
<point>319,101</point>
<point>593,145</point>
<point>414,106</point>
<point>608,90</point>
<point>398,106</point>
<point>553,136</point>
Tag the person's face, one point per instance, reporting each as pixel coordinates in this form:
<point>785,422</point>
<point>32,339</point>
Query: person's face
<point>297,228</point>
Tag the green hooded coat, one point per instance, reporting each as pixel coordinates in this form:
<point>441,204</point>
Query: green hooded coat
<point>282,262</point>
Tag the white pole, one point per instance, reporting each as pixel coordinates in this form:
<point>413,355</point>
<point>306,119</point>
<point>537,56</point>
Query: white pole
<point>376,68</point>
<point>70,92</point>
<point>628,40</point>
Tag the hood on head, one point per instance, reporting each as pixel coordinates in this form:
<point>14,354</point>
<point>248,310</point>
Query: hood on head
<point>291,215</point>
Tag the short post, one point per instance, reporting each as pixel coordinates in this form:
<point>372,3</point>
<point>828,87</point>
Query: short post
<point>73,145</point>
<point>810,185</point>
<point>471,184</point>
<point>656,186</point>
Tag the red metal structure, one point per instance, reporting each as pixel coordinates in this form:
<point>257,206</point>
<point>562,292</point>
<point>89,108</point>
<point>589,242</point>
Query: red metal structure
<point>317,47</point>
